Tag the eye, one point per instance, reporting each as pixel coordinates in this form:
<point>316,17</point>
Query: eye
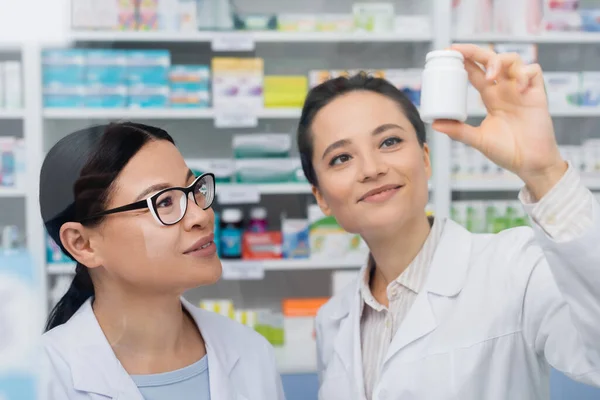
<point>391,141</point>
<point>166,201</point>
<point>337,160</point>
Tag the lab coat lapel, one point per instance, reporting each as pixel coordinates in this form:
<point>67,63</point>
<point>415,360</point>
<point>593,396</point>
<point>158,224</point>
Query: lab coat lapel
<point>221,357</point>
<point>446,278</point>
<point>95,368</point>
<point>348,344</point>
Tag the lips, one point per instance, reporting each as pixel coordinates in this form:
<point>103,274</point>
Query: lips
<point>379,190</point>
<point>204,242</point>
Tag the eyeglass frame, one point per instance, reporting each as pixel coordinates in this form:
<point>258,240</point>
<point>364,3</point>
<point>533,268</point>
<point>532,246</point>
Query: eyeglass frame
<point>150,202</point>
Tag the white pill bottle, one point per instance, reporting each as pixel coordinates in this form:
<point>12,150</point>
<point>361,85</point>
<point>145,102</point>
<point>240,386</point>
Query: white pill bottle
<point>444,87</point>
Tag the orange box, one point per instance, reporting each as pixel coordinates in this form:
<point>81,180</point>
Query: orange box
<point>261,246</point>
<point>302,307</point>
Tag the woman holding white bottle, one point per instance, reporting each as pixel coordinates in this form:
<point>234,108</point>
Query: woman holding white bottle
<point>438,312</point>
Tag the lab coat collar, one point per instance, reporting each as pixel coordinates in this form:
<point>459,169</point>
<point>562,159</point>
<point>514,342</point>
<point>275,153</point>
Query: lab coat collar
<point>450,263</point>
<point>96,369</point>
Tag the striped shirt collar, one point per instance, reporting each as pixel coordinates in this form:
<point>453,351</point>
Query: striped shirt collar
<point>414,275</point>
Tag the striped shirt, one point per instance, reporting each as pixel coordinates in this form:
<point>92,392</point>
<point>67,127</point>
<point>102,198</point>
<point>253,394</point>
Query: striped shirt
<point>564,213</point>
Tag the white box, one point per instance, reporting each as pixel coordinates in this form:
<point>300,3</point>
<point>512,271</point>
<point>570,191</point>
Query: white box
<point>590,88</point>
<point>562,89</point>
<point>13,84</point>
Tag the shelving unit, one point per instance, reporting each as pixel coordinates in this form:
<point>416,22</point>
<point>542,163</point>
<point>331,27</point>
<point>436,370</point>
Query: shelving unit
<point>545,37</point>
<point>267,37</point>
<point>12,192</point>
<point>11,114</point>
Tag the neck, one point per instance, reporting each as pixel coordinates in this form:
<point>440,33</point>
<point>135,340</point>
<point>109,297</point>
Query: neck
<point>148,333</point>
<point>394,251</point>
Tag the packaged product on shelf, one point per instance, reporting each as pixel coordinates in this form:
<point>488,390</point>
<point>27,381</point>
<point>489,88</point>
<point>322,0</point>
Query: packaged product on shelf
<point>296,243</point>
<point>285,91</point>
<point>8,173</point>
<point>258,220</point>
<point>188,95</point>
<point>237,83</point>
<point>63,78</point>
<point>590,18</point>
<point>148,78</point>
<point>488,216</point>
<point>148,17</point>
<point>517,17</point>
<point>127,15</point>
<point>106,79</point>
<point>264,145</point>
<point>245,317</point>
<point>408,81</point>
<point>231,233</point>
<point>591,156</point>
<point>197,74</point>
<point>188,13</point>
<point>328,241</point>
<point>94,14</point>
<point>335,23</point>
<point>261,245</point>
<point>374,17</point>
<point>267,170</point>
<point>471,17</point>
<point>562,89</point>
<point>561,15</point>
<point>299,327</point>
<point>590,88</point>
<point>413,24</point>
<point>222,168</point>
<point>223,307</point>
<point>255,22</point>
<point>297,22</point>
<point>527,51</point>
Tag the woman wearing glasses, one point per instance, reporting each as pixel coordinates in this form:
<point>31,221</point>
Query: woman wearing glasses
<point>120,200</point>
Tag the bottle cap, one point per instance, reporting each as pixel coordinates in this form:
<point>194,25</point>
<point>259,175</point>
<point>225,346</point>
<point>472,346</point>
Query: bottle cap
<point>232,215</point>
<point>258,213</point>
<point>444,53</point>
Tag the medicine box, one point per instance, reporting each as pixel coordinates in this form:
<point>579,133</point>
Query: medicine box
<point>238,83</point>
<point>189,95</point>
<point>196,74</point>
<point>66,66</point>
<point>148,67</point>
<point>563,89</point>
<point>13,85</point>
<point>148,96</point>
<point>590,89</point>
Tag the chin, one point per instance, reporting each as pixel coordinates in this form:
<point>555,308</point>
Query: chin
<point>203,273</point>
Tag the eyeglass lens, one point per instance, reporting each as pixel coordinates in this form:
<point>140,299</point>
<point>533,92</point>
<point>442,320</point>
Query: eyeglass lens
<point>172,204</point>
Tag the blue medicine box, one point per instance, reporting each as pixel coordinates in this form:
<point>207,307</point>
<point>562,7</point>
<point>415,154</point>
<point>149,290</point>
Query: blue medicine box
<point>64,66</point>
<point>189,95</point>
<point>192,74</point>
<point>148,67</point>
<point>107,67</point>
<point>148,96</point>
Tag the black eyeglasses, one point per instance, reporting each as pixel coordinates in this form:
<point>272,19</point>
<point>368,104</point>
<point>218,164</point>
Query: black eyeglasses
<point>169,205</point>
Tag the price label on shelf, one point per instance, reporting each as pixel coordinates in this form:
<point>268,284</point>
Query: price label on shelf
<point>238,194</point>
<point>233,41</point>
<point>230,118</point>
<point>243,270</point>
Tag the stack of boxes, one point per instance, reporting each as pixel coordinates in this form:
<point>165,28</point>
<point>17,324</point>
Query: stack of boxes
<point>189,86</point>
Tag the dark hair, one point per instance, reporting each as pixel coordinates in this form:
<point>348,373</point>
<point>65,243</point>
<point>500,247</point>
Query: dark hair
<point>329,90</point>
<point>76,181</point>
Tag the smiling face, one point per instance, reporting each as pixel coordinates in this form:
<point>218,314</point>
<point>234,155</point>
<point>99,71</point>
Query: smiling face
<point>372,171</point>
<point>136,251</point>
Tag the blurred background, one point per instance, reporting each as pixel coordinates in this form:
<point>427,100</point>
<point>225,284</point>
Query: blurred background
<point>227,79</point>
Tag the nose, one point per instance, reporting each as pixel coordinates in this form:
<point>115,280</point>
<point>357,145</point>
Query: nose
<point>195,216</point>
<point>372,166</point>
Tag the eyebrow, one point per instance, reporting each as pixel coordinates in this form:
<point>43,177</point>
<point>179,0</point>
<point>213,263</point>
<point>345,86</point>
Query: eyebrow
<point>344,142</point>
<point>160,186</point>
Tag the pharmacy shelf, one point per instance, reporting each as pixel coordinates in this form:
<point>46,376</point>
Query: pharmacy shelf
<point>260,36</point>
<point>11,114</point>
<point>266,265</point>
<point>545,37</point>
<point>159,113</point>
<point>481,184</point>
<point>12,192</point>
<point>272,188</point>
<point>572,112</point>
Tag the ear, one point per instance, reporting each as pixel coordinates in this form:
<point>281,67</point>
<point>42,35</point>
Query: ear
<point>77,241</point>
<point>427,160</point>
<point>321,201</point>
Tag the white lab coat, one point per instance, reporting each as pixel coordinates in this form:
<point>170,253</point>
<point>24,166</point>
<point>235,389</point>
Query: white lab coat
<point>82,365</point>
<point>495,313</point>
